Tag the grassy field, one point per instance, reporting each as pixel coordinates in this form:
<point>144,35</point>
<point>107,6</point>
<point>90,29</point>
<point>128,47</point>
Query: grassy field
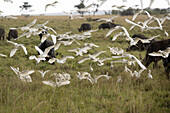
<point>137,95</point>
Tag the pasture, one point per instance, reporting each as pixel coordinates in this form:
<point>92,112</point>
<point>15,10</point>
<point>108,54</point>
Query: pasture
<point>137,95</point>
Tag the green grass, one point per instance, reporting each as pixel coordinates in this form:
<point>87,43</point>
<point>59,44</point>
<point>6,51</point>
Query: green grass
<point>132,95</point>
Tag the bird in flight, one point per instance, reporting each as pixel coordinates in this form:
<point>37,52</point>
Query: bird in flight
<point>51,4</point>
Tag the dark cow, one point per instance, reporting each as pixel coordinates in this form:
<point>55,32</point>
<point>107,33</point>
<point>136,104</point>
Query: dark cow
<point>13,33</point>
<point>85,27</point>
<point>139,46</point>
<point>107,25</point>
<point>46,44</point>
<point>155,47</point>
<point>2,33</point>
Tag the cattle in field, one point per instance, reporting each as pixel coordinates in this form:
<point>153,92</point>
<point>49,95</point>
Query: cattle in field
<point>155,47</point>
<point>13,33</point>
<point>139,46</point>
<point>107,25</point>
<point>85,27</point>
<point>2,33</point>
<point>44,45</point>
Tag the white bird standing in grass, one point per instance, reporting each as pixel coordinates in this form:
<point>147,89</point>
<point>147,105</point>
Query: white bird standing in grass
<point>24,75</point>
<point>17,46</point>
<point>149,75</point>
<point>43,72</point>
<point>119,80</point>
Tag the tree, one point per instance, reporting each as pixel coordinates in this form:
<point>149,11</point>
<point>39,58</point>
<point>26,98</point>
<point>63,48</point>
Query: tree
<point>80,6</point>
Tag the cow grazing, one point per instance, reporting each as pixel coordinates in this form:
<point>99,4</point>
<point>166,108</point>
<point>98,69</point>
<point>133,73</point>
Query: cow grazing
<point>155,47</point>
<point>13,33</point>
<point>85,27</point>
<point>107,25</point>
<point>139,46</point>
<point>2,33</point>
<point>46,44</point>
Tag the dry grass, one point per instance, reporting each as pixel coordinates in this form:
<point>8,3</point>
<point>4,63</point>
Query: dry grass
<point>132,95</point>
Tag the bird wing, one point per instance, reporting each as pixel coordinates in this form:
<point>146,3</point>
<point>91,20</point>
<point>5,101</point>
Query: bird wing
<point>84,59</point>
<point>136,14</point>
<point>24,48</point>
<point>89,6</point>
<point>50,83</point>
<point>130,22</point>
<point>151,2</point>
<point>141,1</point>
<point>113,17</point>
<point>115,37</point>
<point>159,23</point>
<point>98,53</point>
<point>48,49</point>
<point>15,70</point>
<point>111,30</point>
<point>12,43</point>
<point>103,59</point>
<point>151,38</point>
<point>32,23</point>
<point>39,50</point>
<point>155,54</point>
<point>13,51</point>
<point>54,38</point>
<point>166,33</point>
<point>56,46</point>
<point>65,57</point>
<point>148,14</point>
<point>27,72</point>
<point>126,32</point>
<point>49,28</point>
<point>3,55</point>
<point>140,64</point>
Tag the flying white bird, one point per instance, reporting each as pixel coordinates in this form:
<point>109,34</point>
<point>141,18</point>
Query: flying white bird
<point>162,53</point>
<point>24,75</point>
<point>99,76</point>
<point>107,20</point>
<point>63,59</point>
<point>17,46</point>
<point>45,53</point>
<point>27,27</point>
<point>38,59</point>
<point>51,4</point>
<point>100,61</point>
<point>43,72</point>
<point>96,54</point>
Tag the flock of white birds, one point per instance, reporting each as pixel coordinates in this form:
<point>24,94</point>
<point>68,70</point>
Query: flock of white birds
<point>67,39</point>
